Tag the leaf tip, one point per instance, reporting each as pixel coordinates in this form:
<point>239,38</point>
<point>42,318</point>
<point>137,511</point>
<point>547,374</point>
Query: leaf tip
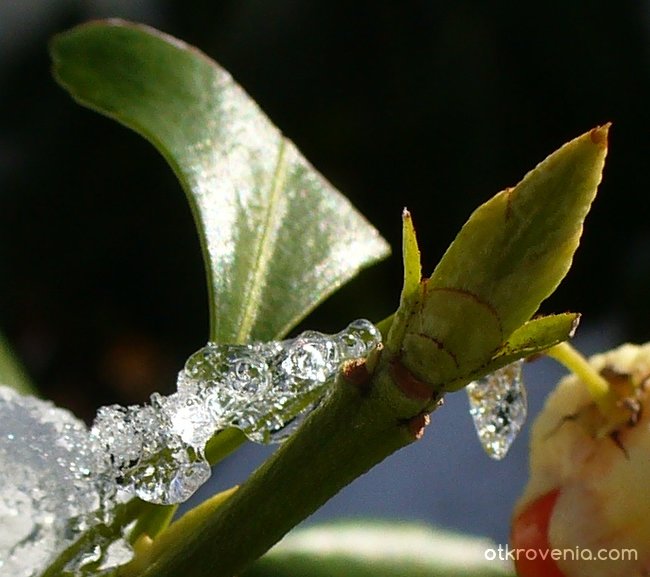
<point>410,255</point>
<point>574,325</point>
<point>599,134</point>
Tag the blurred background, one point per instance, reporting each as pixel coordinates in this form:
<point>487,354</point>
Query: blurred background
<point>427,104</point>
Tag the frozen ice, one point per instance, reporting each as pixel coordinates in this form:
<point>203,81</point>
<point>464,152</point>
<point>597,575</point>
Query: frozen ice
<point>264,389</point>
<point>58,479</point>
<point>51,483</point>
<point>498,407</point>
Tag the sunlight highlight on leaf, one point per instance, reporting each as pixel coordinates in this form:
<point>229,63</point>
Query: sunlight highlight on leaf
<point>277,238</point>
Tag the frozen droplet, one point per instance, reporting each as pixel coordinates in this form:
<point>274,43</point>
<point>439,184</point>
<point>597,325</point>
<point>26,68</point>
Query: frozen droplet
<point>281,433</point>
<point>358,339</point>
<point>102,552</point>
<point>222,404</point>
<point>171,477</point>
<point>57,479</point>
<point>305,362</point>
<point>241,368</point>
<point>498,407</point>
<point>249,372</point>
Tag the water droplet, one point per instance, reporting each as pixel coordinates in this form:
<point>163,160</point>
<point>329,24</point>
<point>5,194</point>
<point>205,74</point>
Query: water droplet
<point>498,407</point>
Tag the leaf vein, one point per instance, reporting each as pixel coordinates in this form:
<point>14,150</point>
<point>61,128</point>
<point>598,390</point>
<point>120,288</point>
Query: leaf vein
<point>264,249</point>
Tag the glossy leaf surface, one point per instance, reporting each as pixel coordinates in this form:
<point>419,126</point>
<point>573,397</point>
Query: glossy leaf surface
<point>277,238</point>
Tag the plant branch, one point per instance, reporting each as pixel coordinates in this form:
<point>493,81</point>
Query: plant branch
<point>355,428</point>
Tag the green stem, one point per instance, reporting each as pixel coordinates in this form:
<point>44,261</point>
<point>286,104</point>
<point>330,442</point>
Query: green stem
<point>352,430</point>
<point>153,521</point>
<point>596,384</point>
<point>222,444</point>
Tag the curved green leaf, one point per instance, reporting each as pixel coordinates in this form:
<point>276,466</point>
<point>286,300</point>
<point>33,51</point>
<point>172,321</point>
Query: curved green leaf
<point>379,550</point>
<point>510,255</point>
<point>276,237</point>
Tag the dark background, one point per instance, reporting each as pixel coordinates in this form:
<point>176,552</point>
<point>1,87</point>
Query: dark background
<point>434,105</point>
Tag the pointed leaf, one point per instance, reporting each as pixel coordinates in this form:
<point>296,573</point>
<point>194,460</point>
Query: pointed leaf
<point>534,337</point>
<point>277,238</point>
<point>379,550</point>
<point>509,256</point>
<point>410,256</point>
<point>540,334</point>
<point>396,324</point>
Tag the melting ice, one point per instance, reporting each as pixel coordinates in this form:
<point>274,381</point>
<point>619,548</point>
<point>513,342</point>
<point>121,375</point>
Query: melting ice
<point>57,478</point>
<point>498,407</point>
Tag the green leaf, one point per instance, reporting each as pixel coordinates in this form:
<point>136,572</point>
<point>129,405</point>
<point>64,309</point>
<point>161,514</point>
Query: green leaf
<point>12,373</point>
<point>379,550</point>
<point>538,335</point>
<point>394,327</point>
<point>533,338</point>
<point>276,237</point>
<point>509,256</point>
<point>410,256</point>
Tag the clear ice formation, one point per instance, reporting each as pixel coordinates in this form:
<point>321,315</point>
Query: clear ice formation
<point>497,403</point>
<point>157,451</point>
<point>57,478</point>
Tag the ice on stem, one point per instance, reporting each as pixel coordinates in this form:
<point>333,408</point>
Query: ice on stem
<point>58,479</point>
<point>498,407</point>
<point>157,451</point>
